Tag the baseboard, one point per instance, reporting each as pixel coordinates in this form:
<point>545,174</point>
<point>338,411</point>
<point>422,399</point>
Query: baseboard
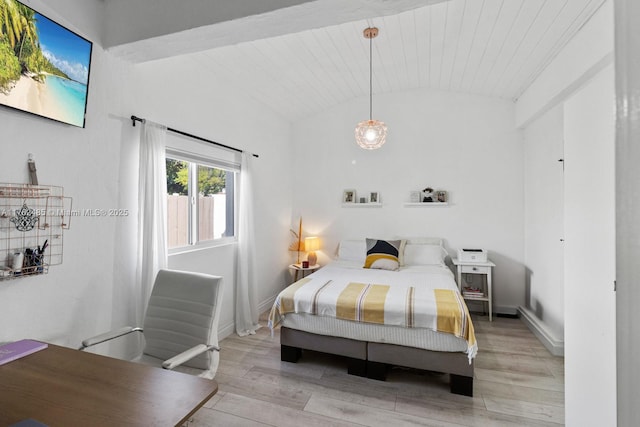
<point>498,310</point>
<point>266,304</point>
<point>554,345</point>
<point>506,310</point>
<point>230,328</point>
<point>226,330</point>
<point>508,315</point>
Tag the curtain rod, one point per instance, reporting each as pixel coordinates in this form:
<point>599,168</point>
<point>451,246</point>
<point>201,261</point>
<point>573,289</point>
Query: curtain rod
<point>135,119</point>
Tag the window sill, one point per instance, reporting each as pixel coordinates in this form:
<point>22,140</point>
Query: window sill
<point>203,246</point>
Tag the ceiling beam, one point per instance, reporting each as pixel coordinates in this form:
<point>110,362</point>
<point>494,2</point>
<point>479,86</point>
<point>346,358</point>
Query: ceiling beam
<point>146,30</point>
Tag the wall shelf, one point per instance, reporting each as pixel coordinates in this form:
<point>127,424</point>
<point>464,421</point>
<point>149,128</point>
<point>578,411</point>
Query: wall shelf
<point>362,205</point>
<point>426,204</point>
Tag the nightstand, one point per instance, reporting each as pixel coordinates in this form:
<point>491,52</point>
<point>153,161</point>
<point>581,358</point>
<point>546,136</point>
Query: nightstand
<point>482,268</point>
<point>298,268</point>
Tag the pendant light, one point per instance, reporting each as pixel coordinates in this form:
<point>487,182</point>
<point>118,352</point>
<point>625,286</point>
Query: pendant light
<point>371,134</point>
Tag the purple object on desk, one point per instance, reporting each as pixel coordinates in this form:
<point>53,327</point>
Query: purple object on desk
<point>28,423</point>
<point>18,349</point>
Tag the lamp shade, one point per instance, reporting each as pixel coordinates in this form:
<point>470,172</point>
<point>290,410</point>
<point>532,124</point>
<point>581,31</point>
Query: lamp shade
<point>371,134</point>
<point>312,244</point>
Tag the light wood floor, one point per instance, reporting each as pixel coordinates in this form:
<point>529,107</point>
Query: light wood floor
<point>517,383</point>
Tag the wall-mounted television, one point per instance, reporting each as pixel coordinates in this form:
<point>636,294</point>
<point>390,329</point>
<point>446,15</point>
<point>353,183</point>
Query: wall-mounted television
<point>44,67</point>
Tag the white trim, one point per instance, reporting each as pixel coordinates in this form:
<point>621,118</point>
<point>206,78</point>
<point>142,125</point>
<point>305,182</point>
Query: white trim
<point>226,330</point>
<point>508,310</point>
<point>554,345</point>
<point>478,306</point>
<point>230,328</point>
<point>205,160</point>
<point>206,244</point>
<point>266,304</point>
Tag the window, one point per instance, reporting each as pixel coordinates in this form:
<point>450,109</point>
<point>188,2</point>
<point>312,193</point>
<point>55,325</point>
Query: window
<point>200,201</point>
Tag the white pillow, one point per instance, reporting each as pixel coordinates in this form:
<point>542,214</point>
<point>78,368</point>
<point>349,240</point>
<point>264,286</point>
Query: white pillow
<point>424,254</point>
<point>433,241</point>
<point>424,241</point>
<point>353,250</point>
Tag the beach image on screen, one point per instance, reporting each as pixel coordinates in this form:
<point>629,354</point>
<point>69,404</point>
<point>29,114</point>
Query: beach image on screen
<point>44,68</point>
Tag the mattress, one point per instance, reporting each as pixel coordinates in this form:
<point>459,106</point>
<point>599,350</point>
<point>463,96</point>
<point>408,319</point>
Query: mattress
<point>435,276</point>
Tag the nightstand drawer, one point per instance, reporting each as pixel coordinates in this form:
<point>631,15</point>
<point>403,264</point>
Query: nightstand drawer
<point>477,269</point>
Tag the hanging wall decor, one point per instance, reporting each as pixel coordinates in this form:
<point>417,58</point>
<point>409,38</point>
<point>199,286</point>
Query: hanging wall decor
<point>25,218</point>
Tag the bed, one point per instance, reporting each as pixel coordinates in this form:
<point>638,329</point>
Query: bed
<point>404,309</point>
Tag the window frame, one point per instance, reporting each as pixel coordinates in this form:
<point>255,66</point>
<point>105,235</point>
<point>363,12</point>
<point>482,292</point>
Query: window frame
<point>193,161</point>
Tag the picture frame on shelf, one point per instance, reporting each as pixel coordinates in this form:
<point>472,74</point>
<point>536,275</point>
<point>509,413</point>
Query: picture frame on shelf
<point>414,196</point>
<point>428,195</point>
<point>374,197</point>
<point>349,196</point>
<point>441,196</point>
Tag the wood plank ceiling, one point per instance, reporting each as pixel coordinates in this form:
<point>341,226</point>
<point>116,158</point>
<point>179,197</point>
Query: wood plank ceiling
<point>493,48</point>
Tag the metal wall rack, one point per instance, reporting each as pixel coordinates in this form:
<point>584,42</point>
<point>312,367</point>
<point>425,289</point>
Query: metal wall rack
<point>32,217</point>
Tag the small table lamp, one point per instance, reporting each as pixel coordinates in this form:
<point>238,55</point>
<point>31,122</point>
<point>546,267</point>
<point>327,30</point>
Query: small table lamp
<point>312,244</point>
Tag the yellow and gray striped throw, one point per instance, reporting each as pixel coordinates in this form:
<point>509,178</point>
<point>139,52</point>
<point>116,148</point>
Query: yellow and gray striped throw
<point>442,310</point>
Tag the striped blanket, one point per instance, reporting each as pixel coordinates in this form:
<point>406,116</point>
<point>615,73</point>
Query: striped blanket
<point>441,310</point>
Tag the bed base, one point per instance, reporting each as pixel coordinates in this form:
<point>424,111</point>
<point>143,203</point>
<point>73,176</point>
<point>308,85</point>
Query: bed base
<point>374,359</point>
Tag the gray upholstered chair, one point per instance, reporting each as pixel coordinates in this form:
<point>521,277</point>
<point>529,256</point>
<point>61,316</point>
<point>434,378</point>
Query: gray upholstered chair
<point>180,326</point>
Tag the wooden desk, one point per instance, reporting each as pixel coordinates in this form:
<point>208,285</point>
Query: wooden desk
<point>59,386</point>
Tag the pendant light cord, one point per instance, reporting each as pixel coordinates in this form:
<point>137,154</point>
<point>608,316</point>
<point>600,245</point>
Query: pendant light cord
<point>370,78</point>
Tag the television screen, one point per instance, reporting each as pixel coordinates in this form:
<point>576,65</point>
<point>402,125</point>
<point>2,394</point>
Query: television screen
<point>44,67</point>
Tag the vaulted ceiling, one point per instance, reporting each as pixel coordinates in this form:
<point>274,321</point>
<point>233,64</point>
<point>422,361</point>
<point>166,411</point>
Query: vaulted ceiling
<point>487,47</point>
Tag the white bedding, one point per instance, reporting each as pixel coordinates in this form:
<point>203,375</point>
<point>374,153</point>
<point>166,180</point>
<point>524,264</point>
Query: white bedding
<point>429,276</point>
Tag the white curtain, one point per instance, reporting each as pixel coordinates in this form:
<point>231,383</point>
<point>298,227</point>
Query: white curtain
<point>246,306</point>
<point>152,211</point>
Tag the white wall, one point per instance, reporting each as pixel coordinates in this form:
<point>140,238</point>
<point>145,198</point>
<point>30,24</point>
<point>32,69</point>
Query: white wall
<point>466,145</point>
<point>184,97</point>
<point>590,348</point>
<point>544,201</point>
<point>74,299</point>
<point>92,290</point>
<point>580,82</point>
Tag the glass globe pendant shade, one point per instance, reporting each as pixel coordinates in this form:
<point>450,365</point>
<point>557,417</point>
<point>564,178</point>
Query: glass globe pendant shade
<point>371,134</point>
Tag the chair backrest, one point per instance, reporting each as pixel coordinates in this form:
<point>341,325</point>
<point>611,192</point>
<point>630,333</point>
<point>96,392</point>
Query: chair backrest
<point>183,311</point>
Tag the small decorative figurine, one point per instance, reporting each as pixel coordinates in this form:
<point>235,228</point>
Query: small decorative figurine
<point>427,194</point>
